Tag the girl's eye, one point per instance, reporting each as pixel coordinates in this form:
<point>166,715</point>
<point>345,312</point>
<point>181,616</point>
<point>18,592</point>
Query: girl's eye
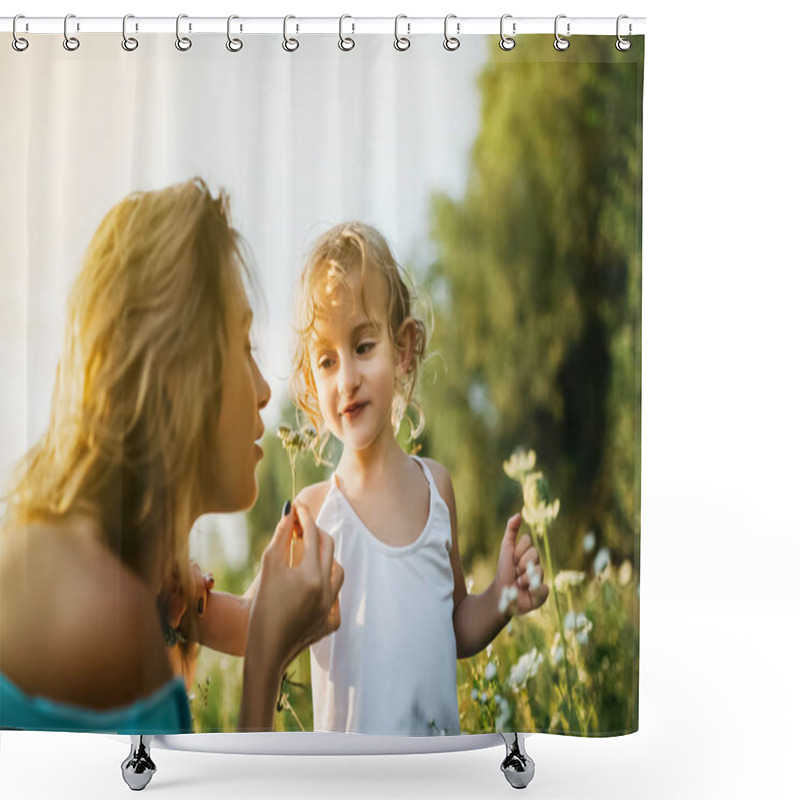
<point>364,348</point>
<point>325,363</point>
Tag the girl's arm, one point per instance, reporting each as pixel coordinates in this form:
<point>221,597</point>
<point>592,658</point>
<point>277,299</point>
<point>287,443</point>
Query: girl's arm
<point>476,618</point>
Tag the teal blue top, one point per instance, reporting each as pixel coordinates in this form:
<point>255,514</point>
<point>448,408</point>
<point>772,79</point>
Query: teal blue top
<point>164,711</point>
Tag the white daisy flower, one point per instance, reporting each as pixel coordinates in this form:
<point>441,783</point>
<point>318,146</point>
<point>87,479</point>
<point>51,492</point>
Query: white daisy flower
<point>602,560</point>
<point>567,579</point>
<point>589,541</point>
<point>491,671</point>
<point>525,668</point>
<point>519,465</point>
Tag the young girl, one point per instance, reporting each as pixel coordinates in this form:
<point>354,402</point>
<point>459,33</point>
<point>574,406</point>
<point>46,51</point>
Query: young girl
<point>405,612</point>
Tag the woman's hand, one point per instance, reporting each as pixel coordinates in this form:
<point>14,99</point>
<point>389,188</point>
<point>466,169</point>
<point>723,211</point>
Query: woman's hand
<point>291,608</point>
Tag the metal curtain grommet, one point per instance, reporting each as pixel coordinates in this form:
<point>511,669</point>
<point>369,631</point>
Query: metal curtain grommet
<point>17,42</point>
<point>71,43</point>
<point>183,43</point>
<point>561,43</point>
<point>623,44</point>
<point>507,42</point>
<point>289,44</point>
<point>233,45</point>
<point>401,42</point>
<point>128,42</point>
<point>346,43</point>
<point>451,42</point>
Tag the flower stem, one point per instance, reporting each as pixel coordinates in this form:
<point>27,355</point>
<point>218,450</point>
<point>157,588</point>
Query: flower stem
<point>549,558</point>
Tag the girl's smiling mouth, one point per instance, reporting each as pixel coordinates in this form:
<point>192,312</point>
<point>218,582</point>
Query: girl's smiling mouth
<point>350,412</point>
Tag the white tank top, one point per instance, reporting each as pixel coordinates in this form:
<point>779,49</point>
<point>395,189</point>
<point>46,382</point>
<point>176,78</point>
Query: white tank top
<point>391,666</point>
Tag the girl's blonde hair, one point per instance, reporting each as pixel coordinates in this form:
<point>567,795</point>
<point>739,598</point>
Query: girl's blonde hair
<point>138,387</point>
<point>347,248</point>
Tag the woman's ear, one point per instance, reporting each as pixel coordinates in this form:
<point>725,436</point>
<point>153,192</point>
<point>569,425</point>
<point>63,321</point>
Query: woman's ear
<point>405,342</point>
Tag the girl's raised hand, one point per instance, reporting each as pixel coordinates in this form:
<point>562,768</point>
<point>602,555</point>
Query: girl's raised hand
<point>517,564</point>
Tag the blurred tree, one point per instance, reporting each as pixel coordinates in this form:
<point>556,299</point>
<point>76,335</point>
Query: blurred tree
<point>537,296</point>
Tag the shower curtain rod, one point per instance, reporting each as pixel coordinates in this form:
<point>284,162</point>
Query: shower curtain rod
<point>459,26</point>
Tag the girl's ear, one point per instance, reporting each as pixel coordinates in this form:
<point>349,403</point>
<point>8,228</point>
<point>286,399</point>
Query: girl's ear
<point>405,341</point>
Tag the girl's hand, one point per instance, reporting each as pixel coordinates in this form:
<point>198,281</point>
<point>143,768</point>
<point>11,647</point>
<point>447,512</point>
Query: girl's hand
<point>513,568</point>
<point>176,601</point>
<point>292,607</point>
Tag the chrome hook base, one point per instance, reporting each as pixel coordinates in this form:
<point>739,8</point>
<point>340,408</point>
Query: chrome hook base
<point>138,768</point>
<point>517,766</point>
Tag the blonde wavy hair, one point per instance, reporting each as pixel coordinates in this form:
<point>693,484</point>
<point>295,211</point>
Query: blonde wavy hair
<point>347,249</point>
<point>138,387</point>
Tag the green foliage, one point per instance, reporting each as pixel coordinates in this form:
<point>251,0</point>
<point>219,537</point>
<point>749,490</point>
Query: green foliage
<point>536,294</point>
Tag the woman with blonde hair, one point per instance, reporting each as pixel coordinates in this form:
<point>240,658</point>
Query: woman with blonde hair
<point>154,422</point>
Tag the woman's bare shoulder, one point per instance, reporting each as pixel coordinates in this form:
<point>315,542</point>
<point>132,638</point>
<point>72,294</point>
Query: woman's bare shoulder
<point>314,496</point>
<point>76,625</point>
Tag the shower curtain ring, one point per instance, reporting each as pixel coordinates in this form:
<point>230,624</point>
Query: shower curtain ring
<point>346,43</point>
<point>289,44</point>
<point>18,43</point>
<point>507,42</point>
<point>623,44</point>
<point>401,42</point>
<point>451,42</point>
<point>561,43</point>
<point>71,43</point>
<point>234,45</point>
<point>129,43</point>
<point>183,43</point>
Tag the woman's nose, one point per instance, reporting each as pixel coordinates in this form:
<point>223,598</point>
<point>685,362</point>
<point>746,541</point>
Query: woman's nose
<point>263,392</point>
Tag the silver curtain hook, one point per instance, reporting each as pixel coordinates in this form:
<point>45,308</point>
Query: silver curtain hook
<point>129,43</point>
<point>401,42</point>
<point>623,44</point>
<point>233,45</point>
<point>561,43</point>
<point>451,42</point>
<point>346,43</point>
<point>507,42</point>
<point>70,42</point>
<point>289,44</point>
<point>18,43</point>
<point>183,43</point>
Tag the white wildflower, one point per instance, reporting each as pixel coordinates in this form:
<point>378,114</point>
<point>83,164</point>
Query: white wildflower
<point>507,598</point>
<point>504,713</point>
<point>474,694</point>
<point>557,650</point>
<point>519,465</point>
<point>602,560</point>
<point>583,627</point>
<point>489,649</point>
<point>491,671</point>
<point>484,698</point>
<point>534,578</point>
<point>589,541</point>
<point>567,579</point>
<point>525,668</point>
<point>569,621</point>
<point>625,573</point>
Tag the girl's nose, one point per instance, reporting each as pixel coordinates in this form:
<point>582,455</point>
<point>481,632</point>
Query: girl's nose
<point>349,376</point>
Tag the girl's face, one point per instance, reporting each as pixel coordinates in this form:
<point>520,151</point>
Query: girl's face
<point>355,366</point>
<point>231,483</point>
